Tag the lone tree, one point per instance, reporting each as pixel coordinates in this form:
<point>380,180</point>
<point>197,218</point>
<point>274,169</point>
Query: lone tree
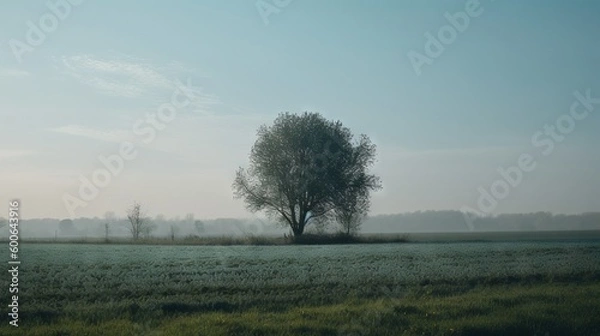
<point>139,223</point>
<point>303,168</point>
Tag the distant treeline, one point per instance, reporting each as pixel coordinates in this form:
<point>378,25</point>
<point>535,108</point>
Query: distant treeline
<point>161,227</point>
<point>456,221</point>
<point>420,221</point>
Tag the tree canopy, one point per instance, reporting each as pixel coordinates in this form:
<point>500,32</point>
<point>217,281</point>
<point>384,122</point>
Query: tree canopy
<point>305,168</point>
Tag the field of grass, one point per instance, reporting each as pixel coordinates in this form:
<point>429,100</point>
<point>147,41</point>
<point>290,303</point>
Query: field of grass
<point>389,289</point>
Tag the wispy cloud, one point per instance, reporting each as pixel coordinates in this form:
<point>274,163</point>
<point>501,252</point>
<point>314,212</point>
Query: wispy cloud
<point>167,144</point>
<point>9,72</point>
<point>125,77</point>
<point>192,139</point>
<point>130,77</point>
<point>11,153</point>
<point>117,136</point>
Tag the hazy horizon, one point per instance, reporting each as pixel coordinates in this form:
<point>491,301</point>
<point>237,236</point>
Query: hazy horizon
<point>190,227</point>
<point>263,217</point>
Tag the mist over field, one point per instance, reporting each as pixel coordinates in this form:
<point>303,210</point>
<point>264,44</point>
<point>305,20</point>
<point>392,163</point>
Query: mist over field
<point>417,222</point>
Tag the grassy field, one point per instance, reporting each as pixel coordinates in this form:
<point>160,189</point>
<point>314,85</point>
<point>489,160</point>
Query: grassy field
<point>532,309</point>
<point>389,289</point>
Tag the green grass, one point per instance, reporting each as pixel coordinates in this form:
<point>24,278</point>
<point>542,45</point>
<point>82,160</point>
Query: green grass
<point>395,289</point>
<point>517,309</point>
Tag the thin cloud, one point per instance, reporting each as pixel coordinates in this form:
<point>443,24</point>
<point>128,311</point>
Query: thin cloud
<point>166,144</point>
<point>7,72</point>
<point>129,77</point>
<point>116,77</point>
<point>12,153</point>
<point>117,136</point>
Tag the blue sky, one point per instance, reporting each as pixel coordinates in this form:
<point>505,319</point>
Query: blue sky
<point>440,135</point>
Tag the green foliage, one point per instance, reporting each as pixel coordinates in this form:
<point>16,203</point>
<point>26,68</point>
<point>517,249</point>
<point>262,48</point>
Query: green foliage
<point>302,167</point>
